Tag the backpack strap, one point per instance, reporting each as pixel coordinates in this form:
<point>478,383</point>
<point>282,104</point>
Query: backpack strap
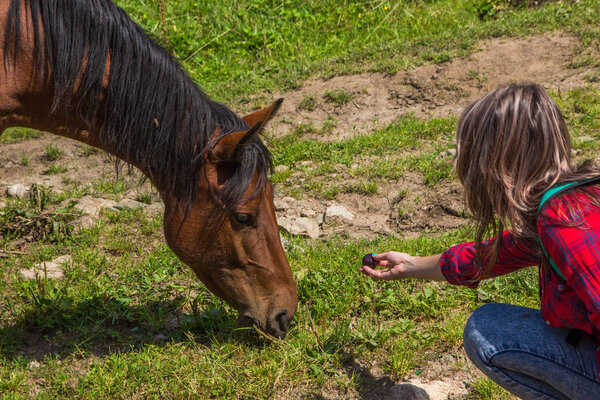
<point>553,191</point>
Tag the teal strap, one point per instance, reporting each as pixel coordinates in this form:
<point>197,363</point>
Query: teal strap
<point>547,195</point>
<point>552,191</point>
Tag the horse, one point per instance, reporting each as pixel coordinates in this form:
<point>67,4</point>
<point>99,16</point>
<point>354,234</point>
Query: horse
<point>84,70</point>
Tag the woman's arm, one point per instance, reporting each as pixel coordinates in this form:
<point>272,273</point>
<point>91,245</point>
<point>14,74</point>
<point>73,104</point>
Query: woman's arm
<point>456,265</point>
<point>401,266</point>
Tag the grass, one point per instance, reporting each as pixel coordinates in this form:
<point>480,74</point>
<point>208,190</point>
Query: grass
<point>247,47</point>
<point>53,153</point>
<point>111,318</point>
<point>16,135</point>
<point>129,320</point>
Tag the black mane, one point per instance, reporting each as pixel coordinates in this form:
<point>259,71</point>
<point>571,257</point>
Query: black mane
<point>151,114</point>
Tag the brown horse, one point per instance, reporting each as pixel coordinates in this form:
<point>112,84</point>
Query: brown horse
<point>82,69</point>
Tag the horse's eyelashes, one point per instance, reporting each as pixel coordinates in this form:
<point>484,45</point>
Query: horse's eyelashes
<point>244,219</point>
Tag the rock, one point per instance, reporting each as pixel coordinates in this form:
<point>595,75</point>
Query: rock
<point>584,139</point>
<point>280,205</point>
<point>91,205</point>
<point>33,364</point>
<point>407,392</point>
<point>320,219</point>
<point>155,208</point>
<point>308,213</point>
<point>300,226</point>
<point>282,168</point>
<point>19,191</point>
<point>575,152</point>
<point>440,390</point>
<point>448,153</point>
<point>129,204</point>
<point>49,269</point>
<point>340,167</point>
<point>339,210</point>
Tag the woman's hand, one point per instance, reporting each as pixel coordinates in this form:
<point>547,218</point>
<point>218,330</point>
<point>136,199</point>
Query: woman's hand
<point>401,266</point>
<point>395,264</point>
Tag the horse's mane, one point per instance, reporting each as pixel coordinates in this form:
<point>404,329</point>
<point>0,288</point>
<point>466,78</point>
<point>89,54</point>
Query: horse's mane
<point>151,114</point>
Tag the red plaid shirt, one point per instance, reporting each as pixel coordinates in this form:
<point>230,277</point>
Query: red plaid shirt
<point>570,304</point>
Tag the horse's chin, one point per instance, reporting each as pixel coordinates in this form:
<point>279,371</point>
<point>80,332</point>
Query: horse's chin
<point>244,321</point>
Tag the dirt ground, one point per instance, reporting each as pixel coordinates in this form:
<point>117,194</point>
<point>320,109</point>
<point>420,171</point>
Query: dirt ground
<point>376,100</point>
<point>435,90</point>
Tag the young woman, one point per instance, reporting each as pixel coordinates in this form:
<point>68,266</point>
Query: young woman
<point>514,161</point>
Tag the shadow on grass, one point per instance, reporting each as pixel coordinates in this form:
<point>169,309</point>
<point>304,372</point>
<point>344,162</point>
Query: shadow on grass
<point>102,324</point>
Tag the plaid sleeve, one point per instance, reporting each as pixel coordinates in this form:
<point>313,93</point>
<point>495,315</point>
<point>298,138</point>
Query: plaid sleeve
<point>573,242</point>
<point>460,268</point>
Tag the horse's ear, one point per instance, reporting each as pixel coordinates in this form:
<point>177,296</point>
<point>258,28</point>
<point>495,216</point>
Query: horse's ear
<point>263,115</point>
<point>227,148</point>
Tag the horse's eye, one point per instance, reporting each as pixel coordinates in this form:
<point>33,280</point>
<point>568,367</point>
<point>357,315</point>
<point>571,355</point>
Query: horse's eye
<point>244,219</point>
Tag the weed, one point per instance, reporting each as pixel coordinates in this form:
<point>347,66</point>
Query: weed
<point>338,96</point>
<point>309,103</point>
<point>145,198</point>
<point>55,169</point>
<point>53,153</point>
<point>24,159</point>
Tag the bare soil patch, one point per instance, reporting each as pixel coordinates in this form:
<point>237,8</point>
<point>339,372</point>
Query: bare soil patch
<point>437,90</point>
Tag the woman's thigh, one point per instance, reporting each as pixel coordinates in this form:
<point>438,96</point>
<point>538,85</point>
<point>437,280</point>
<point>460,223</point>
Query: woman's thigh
<point>520,352</point>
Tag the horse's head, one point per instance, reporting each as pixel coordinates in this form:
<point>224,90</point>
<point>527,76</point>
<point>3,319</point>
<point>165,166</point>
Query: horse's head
<point>230,236</point>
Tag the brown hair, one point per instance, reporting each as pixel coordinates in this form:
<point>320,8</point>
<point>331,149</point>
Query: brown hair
<point>512,145</point>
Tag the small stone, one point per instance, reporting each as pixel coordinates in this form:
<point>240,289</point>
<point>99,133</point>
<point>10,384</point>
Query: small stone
<point>33,365</point>
<point>19,191</point>
<point>282,168</point>
<point>92,205</point>
<point>160,338</point>
<point>300,226</point>
<point>320,218</point>
<point>584,139</point>
<point>575,152</point>
<point>339,210</point>
<point>129,204</point>
<point>85,222</point>
<point>450,153</point>
<point>47,269</point>
<point>340,167</point>
<point>407,392</point>
<point>155,208</point>
<point>308,213</point>
<point>280,205</point>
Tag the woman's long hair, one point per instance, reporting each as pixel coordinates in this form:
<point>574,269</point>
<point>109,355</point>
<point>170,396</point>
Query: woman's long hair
<point>512,145</point>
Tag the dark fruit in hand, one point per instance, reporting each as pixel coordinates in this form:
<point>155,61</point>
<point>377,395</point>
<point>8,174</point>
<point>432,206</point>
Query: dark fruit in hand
<point>370,261</point>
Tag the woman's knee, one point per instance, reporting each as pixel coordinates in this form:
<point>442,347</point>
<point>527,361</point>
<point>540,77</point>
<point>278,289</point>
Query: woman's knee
<point>479,333</point>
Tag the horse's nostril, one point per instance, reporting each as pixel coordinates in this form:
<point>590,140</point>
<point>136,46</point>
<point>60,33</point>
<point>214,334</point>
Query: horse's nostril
<point>283,320</point>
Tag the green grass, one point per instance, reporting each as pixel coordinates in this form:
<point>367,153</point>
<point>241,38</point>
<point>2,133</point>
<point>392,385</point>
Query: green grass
<point>240,48</point>
<point>109,319</point>
<point>53,152</point>
<point>16,135</point>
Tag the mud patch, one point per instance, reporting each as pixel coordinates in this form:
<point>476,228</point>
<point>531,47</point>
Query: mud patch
<point>344,106</point>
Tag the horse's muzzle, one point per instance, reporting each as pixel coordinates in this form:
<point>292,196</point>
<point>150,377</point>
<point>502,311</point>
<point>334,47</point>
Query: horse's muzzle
<point>277,324</point>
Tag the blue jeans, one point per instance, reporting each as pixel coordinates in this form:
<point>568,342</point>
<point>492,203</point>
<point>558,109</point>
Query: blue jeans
<point>515,348</point>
